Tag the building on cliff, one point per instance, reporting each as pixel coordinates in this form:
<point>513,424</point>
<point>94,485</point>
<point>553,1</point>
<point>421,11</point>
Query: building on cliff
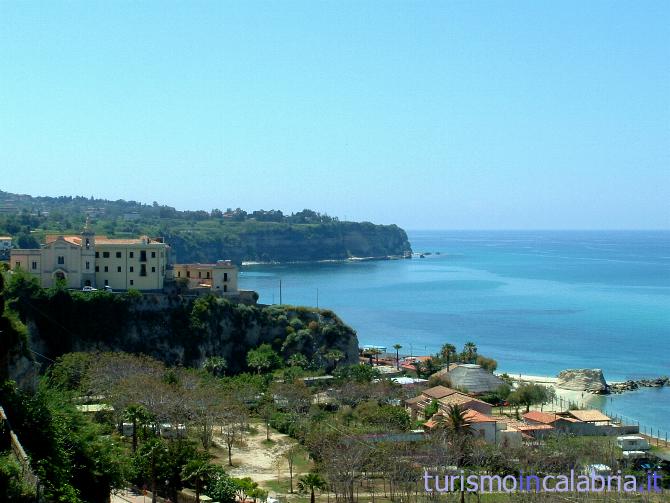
<point>142,263</point>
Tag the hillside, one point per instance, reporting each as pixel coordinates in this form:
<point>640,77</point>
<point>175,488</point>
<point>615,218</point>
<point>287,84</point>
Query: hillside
<point>176,330</point>
<point>204,236</point>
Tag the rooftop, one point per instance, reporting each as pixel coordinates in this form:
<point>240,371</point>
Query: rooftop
<point>540,417</point>
<point>438,392</point>
<point>590,416</point>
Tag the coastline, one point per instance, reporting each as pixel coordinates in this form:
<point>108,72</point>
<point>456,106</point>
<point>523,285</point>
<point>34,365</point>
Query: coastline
<point>324,261</point>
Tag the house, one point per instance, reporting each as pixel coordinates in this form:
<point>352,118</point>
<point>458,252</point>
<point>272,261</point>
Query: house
<point>483,426</point>
<point>591,416</point>
<point>445,397</point>
<point>559,422</point>
<point>220,277</point>
<point>473,378</point>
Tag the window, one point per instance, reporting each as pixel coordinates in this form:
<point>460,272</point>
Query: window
<point>61,259</point>
<point>88,243</point>
<point>118,269</point>
<point>143,256</point>
<point>225,276</point>
<point>153,254</point>
<point>97,254</point>
<point>199,274</point>
<point>132,282</point>
<point>88,265</point>
<point>97,268</point>
<point>105,254</point>
<point>131,254</point>
<point>106,269</point>
<point>132,269</point>
<point>179,274</point>
<point>153,269</point>
<point>118,254</point>
<point>34,265</point>
<point>225,288</point>
<point>143,270</point>
<point>106,282</point>
<point>188,273</point>
<point>18,265</point>
<point>207,274</point>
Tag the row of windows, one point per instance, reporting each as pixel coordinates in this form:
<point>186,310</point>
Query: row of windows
<point>188,275</point>
<point>143,269</point>
<point>143,254</point>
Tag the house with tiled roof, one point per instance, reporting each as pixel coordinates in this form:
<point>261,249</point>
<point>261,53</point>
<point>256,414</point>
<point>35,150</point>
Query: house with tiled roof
<point>444,397</point>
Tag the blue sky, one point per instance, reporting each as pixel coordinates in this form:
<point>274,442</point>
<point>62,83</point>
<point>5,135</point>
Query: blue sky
<point>455,114</point>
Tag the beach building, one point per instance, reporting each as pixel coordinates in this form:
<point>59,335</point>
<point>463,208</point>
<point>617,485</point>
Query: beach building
<point>474,379</point>
<point>559,422</point>
<point>591,416</point>
<point>483,426</point>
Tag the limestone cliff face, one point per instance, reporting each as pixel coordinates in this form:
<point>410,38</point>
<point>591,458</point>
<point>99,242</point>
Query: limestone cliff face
<point>591,380</point>
<point>291,242</point>
<point>182,331</point>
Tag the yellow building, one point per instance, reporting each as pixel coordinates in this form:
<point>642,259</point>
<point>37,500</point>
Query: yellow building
<point>220,278</point>
<point>96,261</point>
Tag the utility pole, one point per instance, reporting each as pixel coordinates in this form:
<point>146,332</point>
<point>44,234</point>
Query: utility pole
<point>280,299</point>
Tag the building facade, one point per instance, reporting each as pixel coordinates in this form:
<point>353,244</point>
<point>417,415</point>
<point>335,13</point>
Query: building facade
<point>96,261</point>
<point>220,277</point>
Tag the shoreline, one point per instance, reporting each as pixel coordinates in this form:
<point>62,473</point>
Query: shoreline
<point>246,263</point>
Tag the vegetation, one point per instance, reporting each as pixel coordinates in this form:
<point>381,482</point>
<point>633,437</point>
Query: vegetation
<point>204,236</point>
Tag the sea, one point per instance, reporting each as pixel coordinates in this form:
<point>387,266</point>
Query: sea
<point>537,301</point>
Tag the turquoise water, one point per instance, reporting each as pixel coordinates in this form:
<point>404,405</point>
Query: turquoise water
<point>538,302</point>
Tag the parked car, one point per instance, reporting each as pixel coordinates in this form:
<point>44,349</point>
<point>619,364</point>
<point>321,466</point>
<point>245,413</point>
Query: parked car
<point>89,289</point>
<point>108,288</point>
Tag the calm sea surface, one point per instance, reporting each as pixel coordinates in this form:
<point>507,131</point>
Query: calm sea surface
<point>538,302</point>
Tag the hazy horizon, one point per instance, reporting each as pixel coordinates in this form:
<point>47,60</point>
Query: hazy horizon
<point>459,115</point>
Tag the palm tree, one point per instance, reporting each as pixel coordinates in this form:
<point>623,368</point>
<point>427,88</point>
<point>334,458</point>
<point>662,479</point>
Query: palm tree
<point>216,365</point>
<point>137,415</point>
<point>456,422</point>
<point>446,352</point>
<point>334,356</point>
<point>375,352</point>
<point>310,482</point>
<point>397,348</point>
<point>198,471</point>
<point>470,350</point>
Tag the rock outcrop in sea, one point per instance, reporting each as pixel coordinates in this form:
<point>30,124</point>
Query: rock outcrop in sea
<point>632,385</point>
<point>591,380</point>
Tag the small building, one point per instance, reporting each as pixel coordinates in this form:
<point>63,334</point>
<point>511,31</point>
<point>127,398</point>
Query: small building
<point>445,398</point>
<point>474,379</point>
<point>5,243</point>
<point>560,422</point>
<point>591,416</point>
<point>220,277</point>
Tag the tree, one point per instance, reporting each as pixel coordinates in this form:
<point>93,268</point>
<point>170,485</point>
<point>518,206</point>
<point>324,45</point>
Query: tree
<point>263,358</point>
<point>457,422</point>
<point>150,458</point>
<point>137,415</point>
<point>198,471</point>
<point>470,351</point>
<point>216,365</point>
<point>221,487</point>
<point>265,411</point>
<point>333,356</point>
<point>397,348</point>
<point>530,394</point>
<point>311,482</point>
<point>244,487</point>
<point>233,424</point>
<point>298,360</point>
<point>446,352</point>
<point>291,454</point>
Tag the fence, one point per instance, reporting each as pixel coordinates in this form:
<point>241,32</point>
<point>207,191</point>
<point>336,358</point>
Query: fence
<point>656,436</point>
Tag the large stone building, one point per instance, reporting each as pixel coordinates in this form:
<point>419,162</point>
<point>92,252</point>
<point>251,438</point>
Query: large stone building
<point>96,261</point>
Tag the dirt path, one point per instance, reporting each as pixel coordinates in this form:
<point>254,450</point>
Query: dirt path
<point>257,459</point>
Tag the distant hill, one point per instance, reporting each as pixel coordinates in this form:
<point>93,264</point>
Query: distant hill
<point>203,236</point>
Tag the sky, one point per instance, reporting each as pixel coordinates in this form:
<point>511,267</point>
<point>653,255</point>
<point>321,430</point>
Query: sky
<point>432,115</point>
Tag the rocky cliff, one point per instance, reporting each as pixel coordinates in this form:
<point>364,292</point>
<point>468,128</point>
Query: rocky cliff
<point>177,330</point>
<point>591,380</point>
<point>283,242</point>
